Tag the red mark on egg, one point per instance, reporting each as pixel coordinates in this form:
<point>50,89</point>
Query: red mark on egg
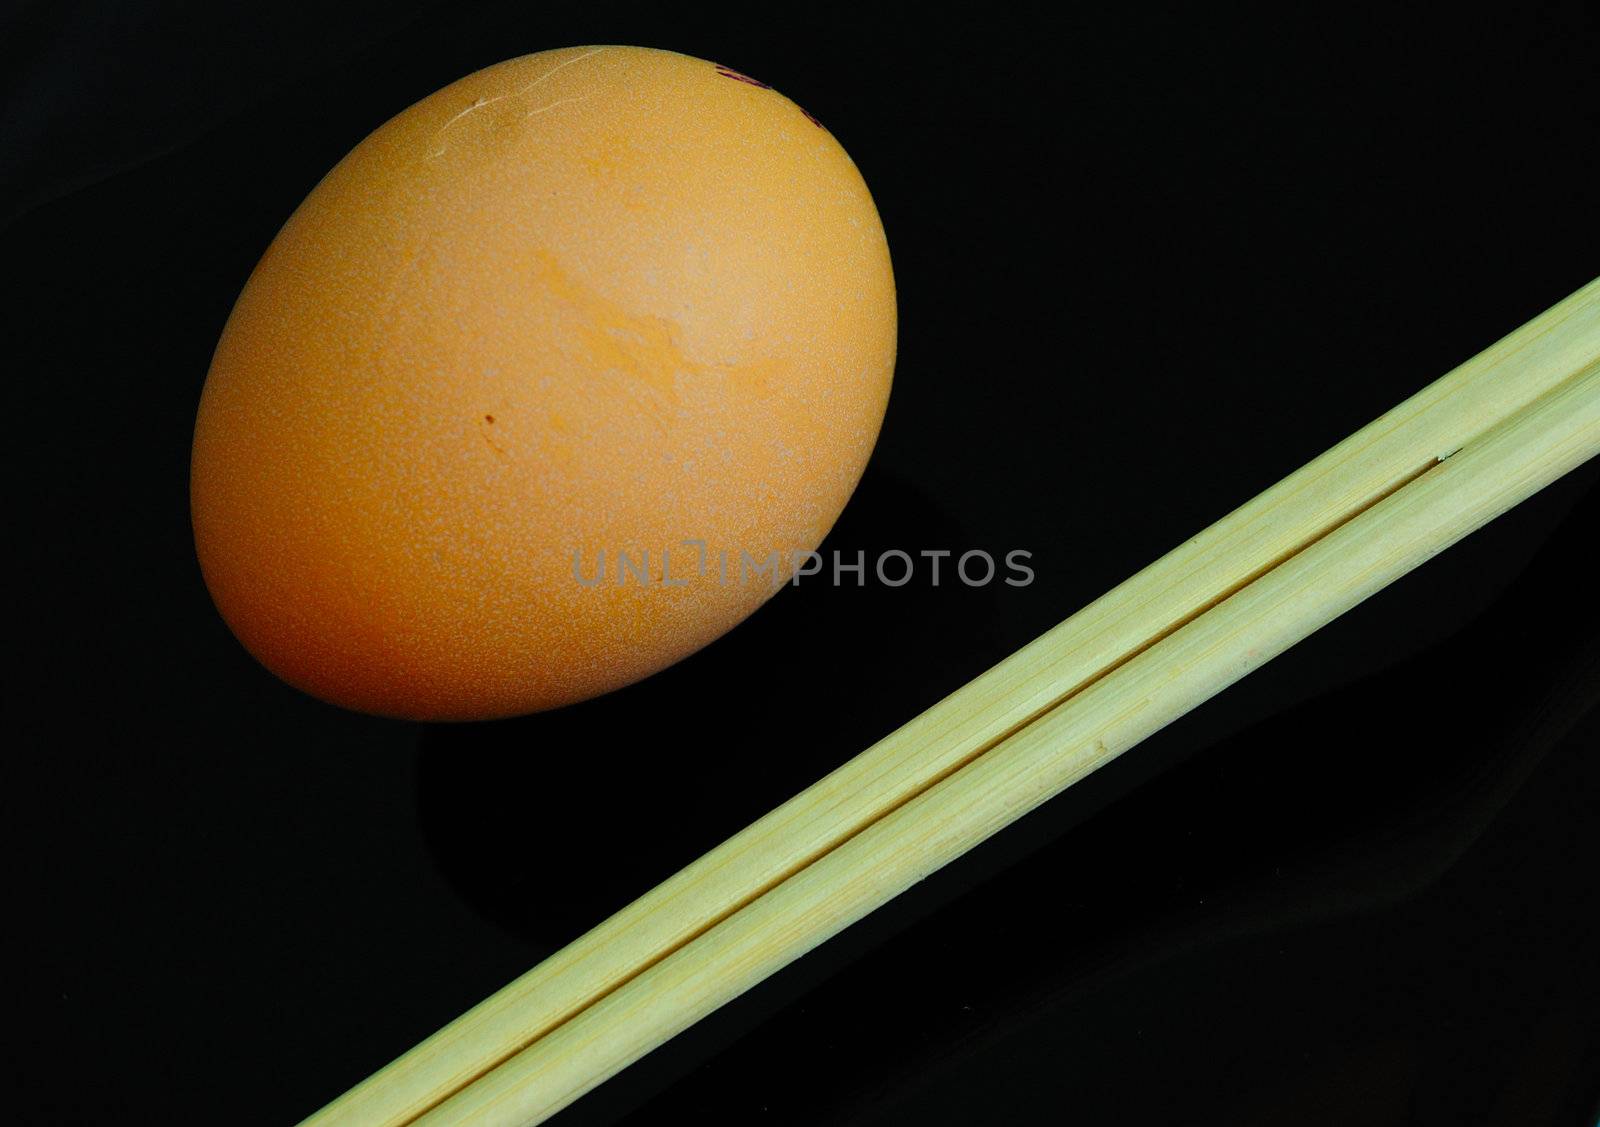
<point>729,72</point>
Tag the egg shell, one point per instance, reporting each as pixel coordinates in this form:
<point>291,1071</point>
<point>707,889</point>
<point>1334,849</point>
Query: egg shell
<point>586,302</point>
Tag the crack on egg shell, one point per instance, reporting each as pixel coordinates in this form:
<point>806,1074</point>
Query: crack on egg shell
<point>480,103</point>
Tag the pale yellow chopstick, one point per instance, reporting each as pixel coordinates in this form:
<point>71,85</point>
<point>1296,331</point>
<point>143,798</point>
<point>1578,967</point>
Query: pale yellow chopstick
<point>579,984</point>
<point>1416,522</point>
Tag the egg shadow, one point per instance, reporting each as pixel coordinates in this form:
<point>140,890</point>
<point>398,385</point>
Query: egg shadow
<point>545,824</point>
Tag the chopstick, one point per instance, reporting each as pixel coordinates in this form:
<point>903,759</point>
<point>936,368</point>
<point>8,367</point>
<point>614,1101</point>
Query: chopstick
<point>1417,521</point>
<point>1401,489</point>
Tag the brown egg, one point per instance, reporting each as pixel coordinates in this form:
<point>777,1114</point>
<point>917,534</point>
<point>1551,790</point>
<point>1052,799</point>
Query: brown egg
<point>589,307</point>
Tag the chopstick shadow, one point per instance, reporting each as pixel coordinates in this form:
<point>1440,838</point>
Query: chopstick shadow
<point>546,824</point>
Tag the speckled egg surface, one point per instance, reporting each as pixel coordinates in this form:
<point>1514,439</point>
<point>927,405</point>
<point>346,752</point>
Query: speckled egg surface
<point>585,304</point>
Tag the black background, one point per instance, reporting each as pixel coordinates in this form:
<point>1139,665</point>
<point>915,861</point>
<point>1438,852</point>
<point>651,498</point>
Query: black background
<point>1149,262</point>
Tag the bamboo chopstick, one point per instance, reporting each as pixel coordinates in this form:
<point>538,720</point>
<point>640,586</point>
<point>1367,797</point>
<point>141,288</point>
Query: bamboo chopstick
<point>1416,522</point>
<point>654,967</point>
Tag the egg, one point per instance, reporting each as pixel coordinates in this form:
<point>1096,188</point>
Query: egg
<point>550,382</point>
